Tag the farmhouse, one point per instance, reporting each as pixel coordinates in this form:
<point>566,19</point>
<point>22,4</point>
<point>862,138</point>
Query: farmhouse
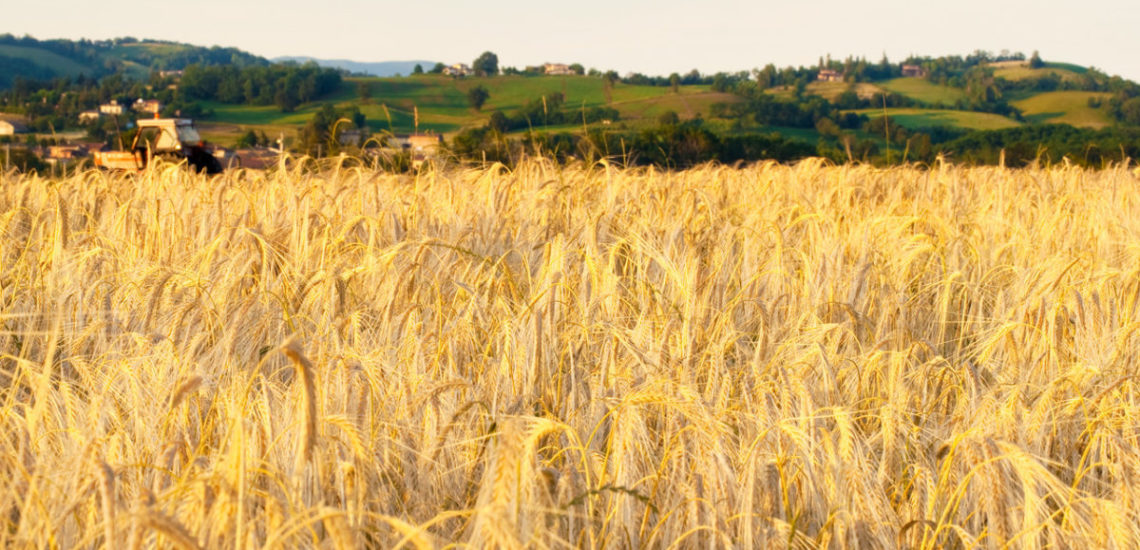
<point>913,71</point>
<point>89,116</point>
<point>354,137</point>
<point>828,75</point>
<point>11,127</point>
<point>556,69</point>
<point>420,146</point>
<point>257,157</point>
<point>175,74</point>
<point>147,105</point>
<point>458,69</point>
<point>424,143</point>
<point>112,108</point>
<point>66,152</point>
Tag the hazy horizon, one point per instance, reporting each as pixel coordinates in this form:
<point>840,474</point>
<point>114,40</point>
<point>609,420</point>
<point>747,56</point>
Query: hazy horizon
<point>654,38</point>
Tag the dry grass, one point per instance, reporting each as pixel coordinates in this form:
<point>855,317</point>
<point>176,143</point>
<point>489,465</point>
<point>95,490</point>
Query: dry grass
<point>804,356</point>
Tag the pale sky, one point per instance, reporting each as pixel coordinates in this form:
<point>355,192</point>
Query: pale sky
<point>651,37</point>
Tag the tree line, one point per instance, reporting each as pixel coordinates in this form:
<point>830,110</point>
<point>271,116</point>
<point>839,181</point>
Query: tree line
<point>285,85</point>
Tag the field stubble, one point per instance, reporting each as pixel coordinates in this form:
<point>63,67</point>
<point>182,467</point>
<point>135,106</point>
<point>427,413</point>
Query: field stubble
<point>804,356</point>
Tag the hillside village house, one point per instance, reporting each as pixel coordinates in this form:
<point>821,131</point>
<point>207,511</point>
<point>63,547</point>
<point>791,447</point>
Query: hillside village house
<point>66,152</point>
<point>420,146</point>
<point>153,106</point>
<point>913,71</point>
<point>458,69</point>
<point>828,75</point>
<point>175,74</point>
<point>112,108</point>
<point>89,116</point>
<point>424,143</point>
<point>11,127</point>
<point>556,69</point>
<point>354,137</point>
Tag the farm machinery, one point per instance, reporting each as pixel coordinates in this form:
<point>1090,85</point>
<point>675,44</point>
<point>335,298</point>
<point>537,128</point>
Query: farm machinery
<point>171,139</point>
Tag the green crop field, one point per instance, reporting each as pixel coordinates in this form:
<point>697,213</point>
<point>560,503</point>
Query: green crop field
<point>832,90</point>
<point>925,118</point>
<point>1068,107</point>
<point>1024,72</point>
<point>686,105</point>
<point>61,65</point>
<point>924,90</point>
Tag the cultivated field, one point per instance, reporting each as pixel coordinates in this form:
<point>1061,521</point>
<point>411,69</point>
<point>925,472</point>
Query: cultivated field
<point>1067,107</point>
<point>775,356</point>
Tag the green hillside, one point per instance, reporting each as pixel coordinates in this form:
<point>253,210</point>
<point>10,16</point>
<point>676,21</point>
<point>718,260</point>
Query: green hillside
<point>443,107</point>
<point>1023,72</point>
<point>925,91</point>
<point>57,64</point>
<point>926,118</point>
<point>1067,107</point>
<point>34,59</point>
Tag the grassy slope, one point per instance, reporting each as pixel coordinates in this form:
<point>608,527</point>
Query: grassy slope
<point>1068,107</point>
<point>919,118</point>
<point>61,65</point>
<point>443,107</point>
<point>923,90</point>
<point>832,90</point>
<point>1022,73</point>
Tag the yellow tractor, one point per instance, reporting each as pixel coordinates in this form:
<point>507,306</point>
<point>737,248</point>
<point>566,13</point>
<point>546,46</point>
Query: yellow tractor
<point>171,139</point>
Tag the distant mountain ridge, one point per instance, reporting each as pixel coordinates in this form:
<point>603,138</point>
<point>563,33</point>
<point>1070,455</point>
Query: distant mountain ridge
<point>377,68</point>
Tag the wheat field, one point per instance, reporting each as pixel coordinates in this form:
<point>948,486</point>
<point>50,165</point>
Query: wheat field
<point>774,356</point>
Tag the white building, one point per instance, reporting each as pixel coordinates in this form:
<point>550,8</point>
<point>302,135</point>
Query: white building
<point>11,127</point>
<point>458,69</point>
<point>112,108</point>
<point>556,69</point>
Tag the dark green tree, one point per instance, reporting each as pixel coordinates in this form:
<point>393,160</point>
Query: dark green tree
<point>675,82</point>
<point>438,68</point>
<point>1035,61</point>
<point>477,96</point>
<point>499,122</point>
<point>248,139</point>
<point>577,68</point>
<point>608,80</point>
<point>418,69</point>
<point>286,99</point>
<point>315,138</point>
<point>487,64</point>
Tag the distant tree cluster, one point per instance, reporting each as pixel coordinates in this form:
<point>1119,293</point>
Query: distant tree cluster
<point>319,136</point>
<point>673,145</point>
<point>487,64</point>
<point>284,85</point>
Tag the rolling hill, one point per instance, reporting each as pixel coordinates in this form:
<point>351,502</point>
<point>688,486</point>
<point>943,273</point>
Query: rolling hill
<point>391,103</point>
<point>34,59</point>
<point>442,103</point>
<point>1066,107</point>
<point>927,118</point>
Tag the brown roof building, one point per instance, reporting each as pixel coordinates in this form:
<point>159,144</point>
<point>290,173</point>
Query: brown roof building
<point>913,71</point>
<point>828,75</point>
